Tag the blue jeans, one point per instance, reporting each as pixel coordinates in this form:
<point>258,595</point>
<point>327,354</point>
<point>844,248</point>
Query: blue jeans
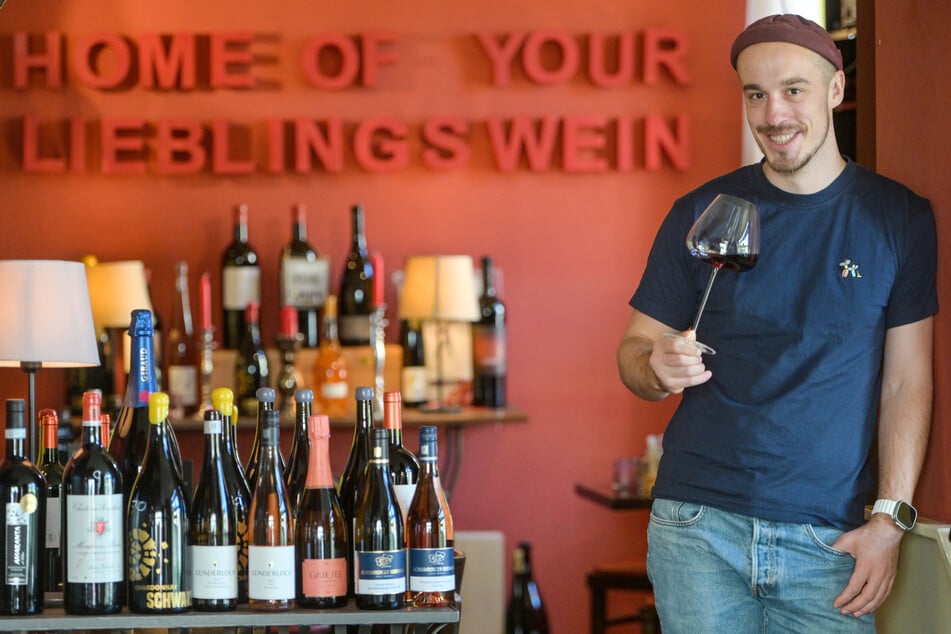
<point>714,571</point>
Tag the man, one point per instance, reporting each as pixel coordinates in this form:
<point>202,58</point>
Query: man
<point>758,517</point>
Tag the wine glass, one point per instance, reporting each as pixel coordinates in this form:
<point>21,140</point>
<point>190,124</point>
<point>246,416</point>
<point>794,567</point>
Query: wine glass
<point>726,235</point>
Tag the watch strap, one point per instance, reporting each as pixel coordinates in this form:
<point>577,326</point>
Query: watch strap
<point>892,509</point>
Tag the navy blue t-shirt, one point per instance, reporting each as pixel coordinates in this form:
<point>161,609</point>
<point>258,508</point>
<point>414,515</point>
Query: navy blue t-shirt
<point>782,430</point>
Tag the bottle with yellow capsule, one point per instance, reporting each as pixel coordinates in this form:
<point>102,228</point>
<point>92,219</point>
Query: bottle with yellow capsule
<point>157,525</point>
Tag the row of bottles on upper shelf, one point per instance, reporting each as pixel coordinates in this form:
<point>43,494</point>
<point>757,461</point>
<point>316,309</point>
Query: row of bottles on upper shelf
<point>118,527</point>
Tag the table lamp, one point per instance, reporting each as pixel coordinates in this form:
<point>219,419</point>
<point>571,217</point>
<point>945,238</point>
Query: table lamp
<point>45,321</point>
<point>439,288</point>
<point>115,290</point>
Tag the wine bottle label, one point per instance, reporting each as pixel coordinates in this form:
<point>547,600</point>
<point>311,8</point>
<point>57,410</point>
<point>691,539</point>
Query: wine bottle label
<point>413,384</point>
<point>94,538</point>
<point>404,497</point>
<point>241,285</point>
<point>334,390</point>
<point>214,572</point>
<point>432,570</point>
<point>304,284</point>
<point>183,385</point>
<point>354,329</point>
<point>53,514</point>
<point>20,523</point>
<point>488,349</point>
<point>324,577</point>
<point>271,573</point>
<point>380,572</point>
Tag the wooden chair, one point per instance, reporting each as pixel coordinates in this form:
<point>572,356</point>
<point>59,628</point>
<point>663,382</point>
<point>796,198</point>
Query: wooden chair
<point>626,576</point>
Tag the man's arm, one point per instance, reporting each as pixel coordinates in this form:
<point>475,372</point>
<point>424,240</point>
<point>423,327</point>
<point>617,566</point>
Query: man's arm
<point>654,366</point>
<point>903,426</point>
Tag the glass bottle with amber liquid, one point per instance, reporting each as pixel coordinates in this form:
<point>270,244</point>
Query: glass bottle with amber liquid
<point>271,554</point>
<point>240,280</point>
<point>331,382</point>
<point>353,479</point>
<point>430,533</point>
<point>489,344</point>
<point>157,525</point>
<point>264,400</point>
<point>93,520</point>
<point>214,528</point>
<point>181,353</point>
<point>250,365</point>
<point>304,278</point>
<point>23,494</point>
<point>356,294</point>
<point>321,532</point>
<point>52,469</point>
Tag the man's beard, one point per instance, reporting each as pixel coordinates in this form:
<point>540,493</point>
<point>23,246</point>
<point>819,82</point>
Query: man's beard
<point>779,164</point>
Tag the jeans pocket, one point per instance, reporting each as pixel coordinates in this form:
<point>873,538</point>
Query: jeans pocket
<point>824,537</point>
<point>674,513</point>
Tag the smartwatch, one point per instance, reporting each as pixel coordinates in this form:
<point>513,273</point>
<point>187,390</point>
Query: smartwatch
<point>903,513</point>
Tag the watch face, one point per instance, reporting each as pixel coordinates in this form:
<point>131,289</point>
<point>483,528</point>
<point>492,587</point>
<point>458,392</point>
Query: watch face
<point>906,515</point>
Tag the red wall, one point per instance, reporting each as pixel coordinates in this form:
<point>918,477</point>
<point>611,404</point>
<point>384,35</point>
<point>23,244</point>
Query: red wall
<point>572,245</point>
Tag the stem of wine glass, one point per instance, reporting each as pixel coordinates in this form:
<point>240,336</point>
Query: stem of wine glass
<point>703,302</point>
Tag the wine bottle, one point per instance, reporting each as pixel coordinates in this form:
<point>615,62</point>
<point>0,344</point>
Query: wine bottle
<point>380,557</point>
<point>321,531</point>
<point>93,512</point>
<point>131,432</point>
<point>351,485</point>
<point>214,528</point>
<point>52,470</point>
<point>298,458</point>
<point>356,287</point>
<point>489,344</point>
<point>157,342</point>
<point>240,280</point>
<point>525,613</point>
<point>181,353</point>
<point>264,403</point>
<point>157,525</point>
<point>23,492</point>
<point>413,381</point>
<point>429,533</point>
<point>331,383</point>
<point>238,490</point>
<point>271,556</point>
<point>304,278</point>
<point>250,366</point>
<point>404,466</point>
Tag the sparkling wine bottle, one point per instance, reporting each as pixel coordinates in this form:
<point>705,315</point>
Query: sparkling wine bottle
<point>298,458</point>
<point>157,525</point>
<point>380,555</point>
<point>356,287</point>
<point>240,280</point>
<point>238,490</point>
<point>331,383</point>
<point>321,531</point>
<point>271,556</point>
<point>52,470</point>
<point>93,512</point>
<point>214,528</point>
<point>413,381</point>
<point>525,613</point>
<point>429,533</point>
<point>23,493</point>
<point>489,344</point>
<point>353,478</point>
<point>181,353</point>
<point>404,466</point>
<point>264,403</point>
<point>250,366</point>
<point>304,278</point>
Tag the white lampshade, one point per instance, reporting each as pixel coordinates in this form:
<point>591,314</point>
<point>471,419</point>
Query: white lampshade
<point>115,290</point>
<point>45,317</point>
<point>439,288</point>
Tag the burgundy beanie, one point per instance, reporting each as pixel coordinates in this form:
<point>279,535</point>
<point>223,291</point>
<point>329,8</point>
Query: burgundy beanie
<point>789,28</point>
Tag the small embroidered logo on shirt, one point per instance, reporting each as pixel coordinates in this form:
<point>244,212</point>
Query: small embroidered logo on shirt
<point>849,268</point>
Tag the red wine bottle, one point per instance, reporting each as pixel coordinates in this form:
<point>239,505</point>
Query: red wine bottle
<point>489,344</point>
<point>93,520</point>
<point>214,528</point>
<point>52,470</point>
<point>240,280</point>
<point>413,381</point>
<point>250,365</point>
<point>380,554</point>
<point>321,531</point>
<point>352,480</point>
<point>298,458</point>
<point>181,353</point>
<point>356,296</point>
<point>404,466</point>
<point>525,613</point>
<point>304,278</point>
<point>23,492</point>
<point>430,533</point>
